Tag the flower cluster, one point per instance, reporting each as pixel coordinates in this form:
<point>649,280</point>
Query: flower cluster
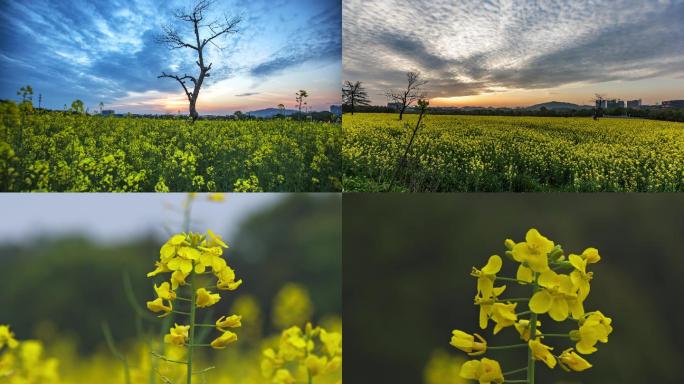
<point>297,348</point>
<point>184,256</point>
<point>560,285</point>
<point>23,362</point>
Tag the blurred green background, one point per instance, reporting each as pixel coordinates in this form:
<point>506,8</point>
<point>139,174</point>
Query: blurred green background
<point>407,284</point>
<point>67,284</point>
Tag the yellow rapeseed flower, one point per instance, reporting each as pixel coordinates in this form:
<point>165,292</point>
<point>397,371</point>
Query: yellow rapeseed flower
<point>157,305</point>
<point>466,342</point>
<point>7,337</point>
<point>558,298</point>
<point>161,268</point>
<point>226,279</point>
<point>292,344</point>
<point>178,279</point>
<point>216,197</point>
<point>232,321</point>
<point>283,376</point>
<point>332,342</point>
<point>178,335</point>
<point>503,315</point>
<point>533,251</point>
<point>591,255</point>
<point>164,291</point>
<point>541,352</point>
<point>486,305</point>
<point>222,341</point>
<point>485,371</point>
<point>524,329</point>
<point>569,360</point>
<point>594,327</point>
<point>579,277</point>
<point>206,299</point>
<point>270,362</point>
<point>215,240</point>
<point>316,364</point>
<point>487,275</point>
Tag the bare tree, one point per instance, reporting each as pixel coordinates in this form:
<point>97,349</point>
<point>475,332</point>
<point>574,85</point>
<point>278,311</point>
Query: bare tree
<point>354,94</point>
<point>423,106</point>
<point>410,94</point>
<point>300,98</point>
<point>173,39</point>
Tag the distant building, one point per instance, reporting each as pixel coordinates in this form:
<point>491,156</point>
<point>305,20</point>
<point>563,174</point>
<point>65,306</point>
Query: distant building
<point>601,104</point>
<point>673,104</point>
<point>336,110</point>
<point>634,103</point>
<point>108,112</point>
<point>394,106</point>
<point>615,103</point>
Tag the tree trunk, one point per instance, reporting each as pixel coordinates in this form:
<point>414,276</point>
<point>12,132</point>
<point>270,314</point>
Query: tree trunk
<point>401,112</point>
<point>193,111</point>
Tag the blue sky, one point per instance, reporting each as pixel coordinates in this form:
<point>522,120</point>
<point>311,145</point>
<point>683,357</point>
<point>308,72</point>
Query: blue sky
<point>105,50</point>
<point>518,52</point>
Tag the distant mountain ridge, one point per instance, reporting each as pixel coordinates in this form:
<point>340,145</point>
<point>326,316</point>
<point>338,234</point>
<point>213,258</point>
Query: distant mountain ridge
<point>270,112</point>
<point>557,105</point>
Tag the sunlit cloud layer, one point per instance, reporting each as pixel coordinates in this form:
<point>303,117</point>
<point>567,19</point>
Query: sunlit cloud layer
<point>517,52</point>
<point>106,51</point>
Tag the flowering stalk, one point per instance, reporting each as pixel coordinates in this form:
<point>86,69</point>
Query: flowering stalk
<point>533,333</point>
<point>192,328</point>
<point>560,296</point>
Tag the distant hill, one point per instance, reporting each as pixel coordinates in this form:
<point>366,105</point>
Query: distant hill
<point>557,105</point>
<point>270,112</point>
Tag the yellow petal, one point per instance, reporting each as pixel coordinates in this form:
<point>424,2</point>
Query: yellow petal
<point>483,317</point>
<point>541,302</point>
<point>469,369</point>
<point>578,262</point>
<point>185,266</point>
<point>493,265</point>
<point>524,274</point>
<point>559,309</point>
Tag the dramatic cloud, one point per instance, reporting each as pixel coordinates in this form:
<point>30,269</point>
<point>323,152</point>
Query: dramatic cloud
<point>318,39</point>
<point>477,47</point>
<point>106,50</point>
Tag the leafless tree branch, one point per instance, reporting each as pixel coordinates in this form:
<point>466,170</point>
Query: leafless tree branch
<point>172,38</point>
<point>410,94</point>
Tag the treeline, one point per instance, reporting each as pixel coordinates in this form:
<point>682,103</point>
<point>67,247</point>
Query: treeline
<point>669,114</point>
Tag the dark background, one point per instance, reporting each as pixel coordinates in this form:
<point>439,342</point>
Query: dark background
<point>74,283</point>
<point>407,260</point>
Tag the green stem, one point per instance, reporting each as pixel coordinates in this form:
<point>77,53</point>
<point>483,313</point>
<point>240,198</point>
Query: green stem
<point>516,299</point>
<point>523,369</point>
<point>511,279</point>
<point>198,345</point>
<point>205,325</point>
<point>523,313</point>
<point>110,344</point>
<point>507,347</point>
<point>166,359</point>
<point>554,335</point>
<point>533,333</point>
<point>192,328</point>
<point>183,298</point>
<point>516,381</point>
<point>182,313</point>
<point>205,370</point>
<point>308,372</point>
